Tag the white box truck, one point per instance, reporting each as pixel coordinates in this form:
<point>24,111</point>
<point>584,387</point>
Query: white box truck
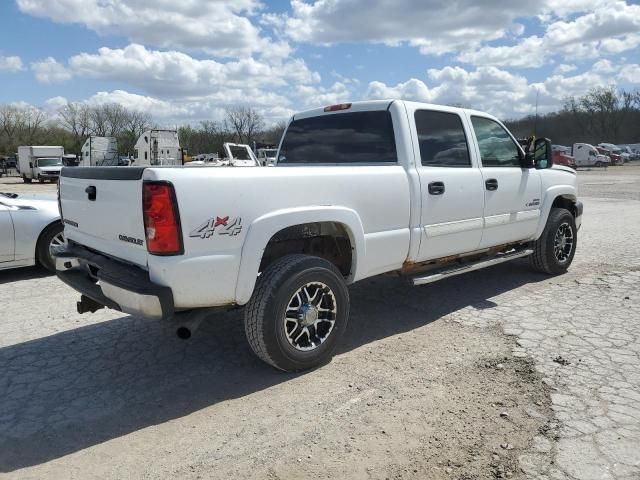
<point>99,152</point>
<point>42,163</point>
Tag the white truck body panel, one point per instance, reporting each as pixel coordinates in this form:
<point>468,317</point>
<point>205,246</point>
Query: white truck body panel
<point>386,209</point>
<point>158,148</point>
<point>99,152</point>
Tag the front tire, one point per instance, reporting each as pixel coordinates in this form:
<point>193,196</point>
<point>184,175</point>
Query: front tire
<point>298,312</point>
<point>556,247</point>
<point>51,237</point>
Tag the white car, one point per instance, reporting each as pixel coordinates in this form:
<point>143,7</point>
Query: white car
<point>30,228</point>
<point>416,190</point>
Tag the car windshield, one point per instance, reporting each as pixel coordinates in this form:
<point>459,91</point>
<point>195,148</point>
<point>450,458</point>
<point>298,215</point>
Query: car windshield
<point>270,153</point>
<point>240,153</point>
<point>49,162</point>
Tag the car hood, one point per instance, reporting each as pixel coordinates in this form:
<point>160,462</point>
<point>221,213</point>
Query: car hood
<point>564,168</point>
<point>50,169</point>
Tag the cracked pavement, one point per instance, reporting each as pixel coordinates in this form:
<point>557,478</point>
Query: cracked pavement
<point>499,373</point>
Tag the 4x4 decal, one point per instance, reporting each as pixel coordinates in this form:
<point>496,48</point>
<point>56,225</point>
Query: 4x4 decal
<point>218,226</point>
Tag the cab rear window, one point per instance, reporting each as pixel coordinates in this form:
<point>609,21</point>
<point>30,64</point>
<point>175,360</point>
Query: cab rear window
<point>344,138</point>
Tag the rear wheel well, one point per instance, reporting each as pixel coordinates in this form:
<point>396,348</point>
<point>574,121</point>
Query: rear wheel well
<point>567,203</point>
<point>328,240</point>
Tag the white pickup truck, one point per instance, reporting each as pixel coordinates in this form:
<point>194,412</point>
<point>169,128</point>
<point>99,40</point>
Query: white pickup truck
<point>359,189</point>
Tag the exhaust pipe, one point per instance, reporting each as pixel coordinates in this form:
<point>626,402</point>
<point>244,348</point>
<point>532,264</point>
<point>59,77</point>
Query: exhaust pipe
<point>189,323</point>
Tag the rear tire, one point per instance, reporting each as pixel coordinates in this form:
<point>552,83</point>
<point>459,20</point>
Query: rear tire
<point>556,247</point>
<point>51,236</point>
<point>298,312</point>
<point>26,180</point>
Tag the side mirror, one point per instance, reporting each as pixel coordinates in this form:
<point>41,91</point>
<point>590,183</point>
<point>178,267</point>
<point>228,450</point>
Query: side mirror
<point>542,153</point>
<point>30,164</point>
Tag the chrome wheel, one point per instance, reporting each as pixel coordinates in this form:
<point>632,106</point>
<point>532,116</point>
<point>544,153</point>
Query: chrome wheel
<point>56,241</point>
<point>563,242</point>
<point>310,316</point>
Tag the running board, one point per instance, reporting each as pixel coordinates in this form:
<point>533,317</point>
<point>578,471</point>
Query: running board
<point>434,277</point>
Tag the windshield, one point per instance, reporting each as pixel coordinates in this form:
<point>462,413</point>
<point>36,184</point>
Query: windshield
<point>240,153</point>
<point>270,153</point>
<point>49,162</point>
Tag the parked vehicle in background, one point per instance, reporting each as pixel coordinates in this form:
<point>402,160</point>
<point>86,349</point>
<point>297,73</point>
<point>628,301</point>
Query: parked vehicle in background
<point>267,156</point>
<point>30,228</point>
<point>99,152</point>
<point>240,155</point>
<point>561,155</point>
<point>359,190</point>
<point>70,160</point>
<point>633,149</point>
<point>158,147</point>
<point>612,151</point>
<point>42,163</point>
<point>586,155</point>
<point>633,155</point>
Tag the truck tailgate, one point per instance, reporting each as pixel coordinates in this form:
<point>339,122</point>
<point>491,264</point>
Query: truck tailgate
<point>102,210</point>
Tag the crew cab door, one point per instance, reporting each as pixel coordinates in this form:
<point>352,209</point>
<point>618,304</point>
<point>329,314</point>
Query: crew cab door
<point>451,186</point>
<point>7,244</point>
<point>511,193</point>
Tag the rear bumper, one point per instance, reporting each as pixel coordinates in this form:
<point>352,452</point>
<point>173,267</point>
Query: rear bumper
<point>116,285</point>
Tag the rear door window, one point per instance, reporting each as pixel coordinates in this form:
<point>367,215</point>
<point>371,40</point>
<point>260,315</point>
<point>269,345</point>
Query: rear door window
<point>343,138</point>
<point>442,140</point>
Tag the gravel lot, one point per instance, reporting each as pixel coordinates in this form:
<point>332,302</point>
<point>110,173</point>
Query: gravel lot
<point>501,373</point>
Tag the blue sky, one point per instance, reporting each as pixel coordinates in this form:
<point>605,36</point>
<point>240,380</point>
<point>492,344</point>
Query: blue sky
<point>187,61</point>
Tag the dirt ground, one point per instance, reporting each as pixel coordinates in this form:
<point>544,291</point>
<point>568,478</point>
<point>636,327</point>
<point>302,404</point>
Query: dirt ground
<point>427,383</point>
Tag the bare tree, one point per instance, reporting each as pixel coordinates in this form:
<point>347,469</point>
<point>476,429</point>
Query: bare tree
<point>76,118</point>
<point>11,120</point>
<point>243,122</point>
<point>33,121</point>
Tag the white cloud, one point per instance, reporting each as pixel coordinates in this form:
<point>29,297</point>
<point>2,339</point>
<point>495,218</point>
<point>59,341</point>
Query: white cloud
<point>171,73</point>
<point>572,28</point>
<point>603,66</point>
<point>630,73</point>
<point>611,28</point>
<point>50,71</point>
<point>490,89</point>
<point>433,26</point>
<point>529,53</point>
<point>565,68</point>
<point>219,27</point>
<point>10,64</point>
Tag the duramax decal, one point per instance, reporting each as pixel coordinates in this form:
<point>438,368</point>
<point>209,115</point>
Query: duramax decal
<point>135,241</point>
<point>71,222</point>
<point>533,203</point>
<point>218,226</point>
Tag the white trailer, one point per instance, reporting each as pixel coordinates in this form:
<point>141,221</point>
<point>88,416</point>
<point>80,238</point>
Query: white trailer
<point>158,147</point>
<point>99,152</point>
<point>587,155</point>
<point>40,163</point>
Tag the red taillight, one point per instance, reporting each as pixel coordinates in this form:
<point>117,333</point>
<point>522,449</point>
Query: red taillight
<point>161,219</point>
<point>336,108</point>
